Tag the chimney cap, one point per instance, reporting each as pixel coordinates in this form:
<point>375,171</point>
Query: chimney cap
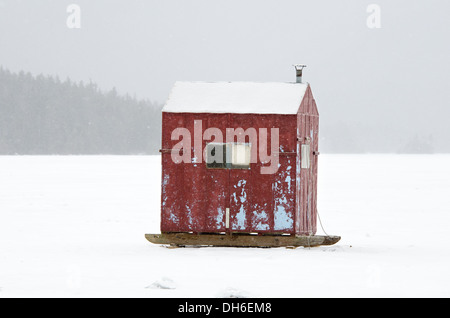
<point>299,66</point>
<point>298,72</point>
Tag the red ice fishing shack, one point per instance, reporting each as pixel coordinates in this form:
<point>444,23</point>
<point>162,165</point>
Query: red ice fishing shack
<point>239,164</point>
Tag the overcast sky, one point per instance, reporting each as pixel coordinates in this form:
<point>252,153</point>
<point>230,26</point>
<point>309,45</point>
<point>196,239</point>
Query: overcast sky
<point>396,76</point>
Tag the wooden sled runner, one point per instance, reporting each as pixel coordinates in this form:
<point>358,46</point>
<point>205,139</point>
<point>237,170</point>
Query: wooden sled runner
<point>240,240</point>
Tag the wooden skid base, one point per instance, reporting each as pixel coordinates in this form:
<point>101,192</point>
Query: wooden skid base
<point>240,240</point>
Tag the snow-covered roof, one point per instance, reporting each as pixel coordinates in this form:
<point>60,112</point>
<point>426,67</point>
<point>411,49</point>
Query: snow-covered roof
<point>235,97</point>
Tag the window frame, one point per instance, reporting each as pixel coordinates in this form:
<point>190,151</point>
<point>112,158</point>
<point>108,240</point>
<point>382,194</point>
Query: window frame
<point>305,159</point>
<point>228,156</point>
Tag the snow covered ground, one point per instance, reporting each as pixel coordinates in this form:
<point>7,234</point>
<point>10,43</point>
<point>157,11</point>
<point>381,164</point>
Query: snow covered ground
<point>74,227</point>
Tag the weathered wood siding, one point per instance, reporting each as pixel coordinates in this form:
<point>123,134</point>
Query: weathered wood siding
<point>195,199</point>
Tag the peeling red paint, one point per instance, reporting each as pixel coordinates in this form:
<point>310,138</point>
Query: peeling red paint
<point>195,199</point>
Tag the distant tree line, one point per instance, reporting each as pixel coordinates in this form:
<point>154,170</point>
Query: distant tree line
<point>44,115</point>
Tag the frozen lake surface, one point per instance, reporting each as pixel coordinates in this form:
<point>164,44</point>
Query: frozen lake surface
<point>74,227</point>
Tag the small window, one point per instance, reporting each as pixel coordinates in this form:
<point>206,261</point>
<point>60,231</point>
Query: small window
<point>228,156</point>
<point>216,156</point>
<point>305,159</point>
<point>240,156</point>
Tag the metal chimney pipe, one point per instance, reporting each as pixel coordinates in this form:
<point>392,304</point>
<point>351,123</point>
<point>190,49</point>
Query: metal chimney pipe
<point>299,71</point>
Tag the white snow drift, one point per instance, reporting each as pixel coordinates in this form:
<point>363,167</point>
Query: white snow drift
<point>74,227</point>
